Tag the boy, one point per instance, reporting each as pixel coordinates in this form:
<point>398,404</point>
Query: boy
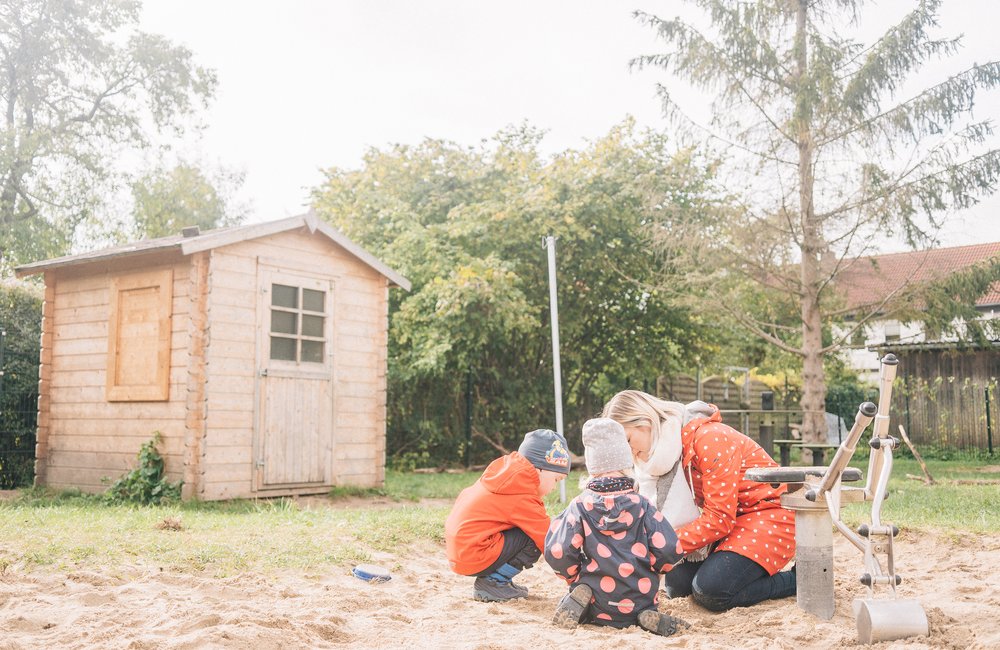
<point>611,544</point>
<point>497,526</point>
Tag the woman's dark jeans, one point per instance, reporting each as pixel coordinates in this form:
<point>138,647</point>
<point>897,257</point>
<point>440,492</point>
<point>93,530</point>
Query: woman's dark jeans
<point>726,580</point>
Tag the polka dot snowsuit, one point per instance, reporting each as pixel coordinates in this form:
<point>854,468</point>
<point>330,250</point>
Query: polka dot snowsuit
<point>745,517</point>
<point>617,543</point>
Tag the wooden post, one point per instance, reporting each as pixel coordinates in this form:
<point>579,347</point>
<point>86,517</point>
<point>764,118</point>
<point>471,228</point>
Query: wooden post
<point>929,480</point>
<point>45,381</point>
<point>195,402</point>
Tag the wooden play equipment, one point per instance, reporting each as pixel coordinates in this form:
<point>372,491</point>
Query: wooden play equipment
<point>816,495</point>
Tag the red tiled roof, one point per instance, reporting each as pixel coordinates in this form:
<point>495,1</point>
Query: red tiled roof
<point>865,280</point>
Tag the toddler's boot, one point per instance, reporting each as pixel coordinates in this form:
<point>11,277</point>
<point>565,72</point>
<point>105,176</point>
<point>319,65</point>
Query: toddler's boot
<point>572,607</point>
<point>660,623</point>
<point>490,590</point>
<point>506,573</point>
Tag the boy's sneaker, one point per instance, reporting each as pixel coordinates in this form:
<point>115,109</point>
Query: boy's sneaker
<point>659,623</point>
<point>521,588</point>
<point>571,608</point>
<point>489,590</point>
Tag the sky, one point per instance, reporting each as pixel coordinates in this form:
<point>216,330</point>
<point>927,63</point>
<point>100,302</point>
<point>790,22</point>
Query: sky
<point>305,85</point>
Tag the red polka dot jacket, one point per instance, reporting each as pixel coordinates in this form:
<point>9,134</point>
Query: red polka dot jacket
<point>742,516</point>
<point>618,544</point>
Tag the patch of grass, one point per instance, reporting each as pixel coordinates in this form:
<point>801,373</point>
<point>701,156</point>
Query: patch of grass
<point>221,540</point>
<point>413,487</point>
<point>69,530</point>
<point>345,491</point>
<point>944,506</point>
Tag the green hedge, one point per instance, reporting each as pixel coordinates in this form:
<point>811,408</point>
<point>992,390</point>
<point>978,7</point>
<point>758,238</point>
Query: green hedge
<point>20,319</point>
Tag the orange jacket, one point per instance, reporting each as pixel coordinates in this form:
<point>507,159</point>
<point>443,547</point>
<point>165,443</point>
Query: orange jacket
<point>745,517</point>
<point>505,497</point>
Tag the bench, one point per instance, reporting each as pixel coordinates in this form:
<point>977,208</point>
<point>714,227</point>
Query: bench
<point>785,450</point>
<point>818,450</point>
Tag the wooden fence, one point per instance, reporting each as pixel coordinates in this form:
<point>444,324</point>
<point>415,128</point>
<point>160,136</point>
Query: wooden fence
<point>947,412</point>
<point>943,413</point>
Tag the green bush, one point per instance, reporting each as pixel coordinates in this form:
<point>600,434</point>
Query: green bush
<point>146,484</point>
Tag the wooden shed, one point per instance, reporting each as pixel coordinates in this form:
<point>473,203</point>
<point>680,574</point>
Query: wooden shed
<point>258,352</point>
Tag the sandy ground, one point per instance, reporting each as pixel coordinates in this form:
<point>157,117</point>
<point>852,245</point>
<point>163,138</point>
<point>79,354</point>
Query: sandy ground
<point>424,605</point>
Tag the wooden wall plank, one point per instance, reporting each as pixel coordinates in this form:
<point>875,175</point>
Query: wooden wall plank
<point>117,444</point>
<point>221,419</point>
<point>226,473</point>
<point>359,451</point>
<point>215,455</point>
<point>219,437</point>
<point>214,491</point>
<point>114,464</point>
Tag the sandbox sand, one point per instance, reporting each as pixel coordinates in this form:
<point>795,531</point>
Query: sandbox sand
<point>955,578</point>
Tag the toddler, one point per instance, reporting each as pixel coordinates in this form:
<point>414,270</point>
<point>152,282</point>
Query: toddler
<point>611,544</point>
<point>496,528</point>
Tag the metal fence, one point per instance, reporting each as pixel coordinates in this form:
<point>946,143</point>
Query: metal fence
<point>18,418</point>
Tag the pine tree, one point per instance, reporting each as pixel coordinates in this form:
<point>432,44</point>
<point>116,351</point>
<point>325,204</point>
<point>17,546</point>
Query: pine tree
<point>837,156</point>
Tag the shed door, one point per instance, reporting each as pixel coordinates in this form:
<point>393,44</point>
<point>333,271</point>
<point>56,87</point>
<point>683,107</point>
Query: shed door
<point>294,438</point>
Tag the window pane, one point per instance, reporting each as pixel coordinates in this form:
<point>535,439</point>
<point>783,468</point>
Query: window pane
<point>284,296</point>
<point>313,300</point>
<point>283,322</point>
<point>312,351</point>
<point>312,325</point>
<point>283,349</point>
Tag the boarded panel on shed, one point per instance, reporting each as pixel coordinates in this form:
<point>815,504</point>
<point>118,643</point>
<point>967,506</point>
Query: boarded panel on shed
<point>139,337</point>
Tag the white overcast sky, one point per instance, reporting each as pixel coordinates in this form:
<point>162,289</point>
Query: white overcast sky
<point>309,84</point>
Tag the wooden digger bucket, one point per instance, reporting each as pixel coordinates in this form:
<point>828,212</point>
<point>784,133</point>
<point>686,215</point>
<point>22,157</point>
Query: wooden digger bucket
<point>816,494</point>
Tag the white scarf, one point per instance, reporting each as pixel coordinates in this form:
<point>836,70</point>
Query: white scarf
<point>664,458</point>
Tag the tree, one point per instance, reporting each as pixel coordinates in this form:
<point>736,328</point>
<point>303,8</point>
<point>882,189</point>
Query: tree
<point>465,225</point>
<point>167,200</point>
<point>830,159</point>
<point>79,84</point>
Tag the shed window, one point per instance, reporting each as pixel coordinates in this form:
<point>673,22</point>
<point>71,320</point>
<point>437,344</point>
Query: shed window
<point>139,337</point>
<point>298,323</point>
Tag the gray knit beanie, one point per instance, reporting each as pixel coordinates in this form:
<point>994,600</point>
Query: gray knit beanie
<point>546,449</point>
<point>605,446</point>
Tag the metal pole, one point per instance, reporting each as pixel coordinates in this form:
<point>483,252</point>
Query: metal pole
<point>468,419</point>
<point>3,340</point>
<point>550,245</point>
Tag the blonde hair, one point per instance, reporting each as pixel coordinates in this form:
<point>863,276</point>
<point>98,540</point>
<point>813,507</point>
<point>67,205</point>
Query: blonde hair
<point>634,407</point>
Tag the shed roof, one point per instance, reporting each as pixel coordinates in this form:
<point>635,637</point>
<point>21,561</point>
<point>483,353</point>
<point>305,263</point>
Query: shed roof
<point>867,280</point>
<point>216,238</point>
<point>922,346</point>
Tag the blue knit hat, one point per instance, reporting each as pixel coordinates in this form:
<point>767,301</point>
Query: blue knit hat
<point>546,449</point>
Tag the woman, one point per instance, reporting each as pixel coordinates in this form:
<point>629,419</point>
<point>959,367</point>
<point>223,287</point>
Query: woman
<point>742,529</point>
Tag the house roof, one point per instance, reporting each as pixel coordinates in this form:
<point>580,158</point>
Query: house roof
<point>216,238</point>
<point>868,280</point>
